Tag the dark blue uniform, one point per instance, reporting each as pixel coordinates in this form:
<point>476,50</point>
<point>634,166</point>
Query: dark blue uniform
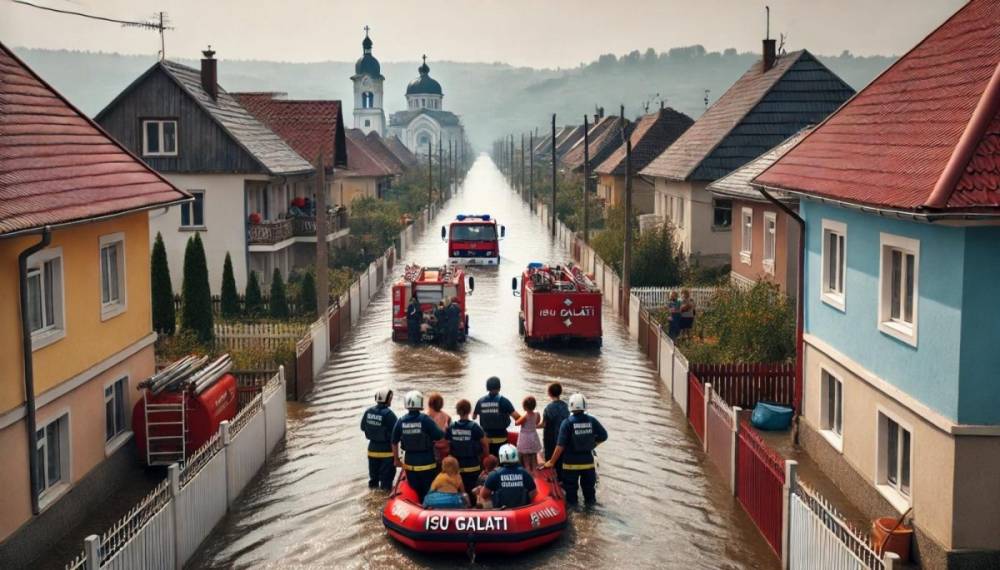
<point>555,412</point>
<point>579,434</point>
<point>494,413</point>
<point>416,433</point>
<point>378,423</point>
<point>510,486</point>
<point>414,317</point>
<point>451,329</point>
<point>466,439</point>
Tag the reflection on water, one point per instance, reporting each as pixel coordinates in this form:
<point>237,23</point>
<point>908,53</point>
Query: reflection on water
<point>660,504</point>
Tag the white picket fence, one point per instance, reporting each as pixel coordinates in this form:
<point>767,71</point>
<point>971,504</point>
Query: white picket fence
<point>657,297</point>
<point>165,529</point>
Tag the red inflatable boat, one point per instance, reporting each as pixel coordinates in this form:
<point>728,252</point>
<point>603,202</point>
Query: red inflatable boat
<point>477,531</point>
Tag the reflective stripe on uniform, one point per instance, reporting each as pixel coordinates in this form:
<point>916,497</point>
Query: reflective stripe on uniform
<point>577,467</point>
<point>498,439</point>
<point>472,469</point>
<point>419,467</point>
<point>380,454</point>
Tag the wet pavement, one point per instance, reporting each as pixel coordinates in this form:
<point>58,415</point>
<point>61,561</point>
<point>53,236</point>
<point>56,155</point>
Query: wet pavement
<point>660,503</point>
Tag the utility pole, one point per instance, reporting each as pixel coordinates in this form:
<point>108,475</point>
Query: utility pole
<point>440,170</point>
<point>451,168</point>
<point>586,181</point>
<point>553,175</point>
<point>510,156</point>
<point>531,171</point>
<point>322,272</point>
<point>523,194</point>
<point>430,175</point>
<point>627,251</point>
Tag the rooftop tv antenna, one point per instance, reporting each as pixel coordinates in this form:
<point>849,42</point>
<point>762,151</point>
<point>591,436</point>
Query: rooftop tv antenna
<point>707,91</point>
<point>767,24</point>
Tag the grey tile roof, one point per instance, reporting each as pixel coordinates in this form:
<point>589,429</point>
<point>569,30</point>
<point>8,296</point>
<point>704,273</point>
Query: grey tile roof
<point>758,112</point>
<point>262,143</point>
<point>444,118</point>
<point>736,184</point>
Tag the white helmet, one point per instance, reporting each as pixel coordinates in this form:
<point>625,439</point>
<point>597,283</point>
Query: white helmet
<point>383,396</point>
<point>577,403</point>
<point>508,454</point>
<point>413,400</point>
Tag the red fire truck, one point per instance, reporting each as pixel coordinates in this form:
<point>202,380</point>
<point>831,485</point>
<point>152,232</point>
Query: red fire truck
<point>431,285</point>
<point>558,303</point>
<point>473,240</point>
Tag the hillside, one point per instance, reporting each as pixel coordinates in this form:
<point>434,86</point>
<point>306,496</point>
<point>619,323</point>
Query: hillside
<point>491,98</point>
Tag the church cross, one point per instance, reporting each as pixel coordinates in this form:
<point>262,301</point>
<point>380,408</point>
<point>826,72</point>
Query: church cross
<point>366,31</point>
<point>425,59</point>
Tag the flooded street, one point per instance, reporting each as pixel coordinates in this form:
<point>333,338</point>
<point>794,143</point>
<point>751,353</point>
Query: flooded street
<point>660,504</point>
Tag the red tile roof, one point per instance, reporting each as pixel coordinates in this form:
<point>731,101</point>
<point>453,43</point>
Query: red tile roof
<point>57,166</point>
<point>306,125</point>
<point>652,135</point>
<point>924,135</point>
<point>402,153</point>
<point>385,155</point>
<point>362,160</point>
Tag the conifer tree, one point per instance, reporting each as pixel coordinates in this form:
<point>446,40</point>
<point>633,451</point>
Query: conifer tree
<point>164,315</point>
<point>307,295</point>
<point>196,310</point>
<point>253,305</point>
<point>230,302</point>
<point>279,302</point>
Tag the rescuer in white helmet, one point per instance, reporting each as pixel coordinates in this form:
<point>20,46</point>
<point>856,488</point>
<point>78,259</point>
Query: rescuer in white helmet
<point>510,486</point>
<point>378,422</point>
<point>579,435</point>
<point>416,432</point>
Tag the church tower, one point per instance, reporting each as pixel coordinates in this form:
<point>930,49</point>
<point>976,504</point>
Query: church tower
<point>368,79</point>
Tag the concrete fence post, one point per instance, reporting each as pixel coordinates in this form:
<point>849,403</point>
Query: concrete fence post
<point>174,475</point>
<point>734,445</point>
<point>704,416</point>
<point>891,561</point>
<point>791,472</point>
<point>92,546</point>
<point>226,440</point>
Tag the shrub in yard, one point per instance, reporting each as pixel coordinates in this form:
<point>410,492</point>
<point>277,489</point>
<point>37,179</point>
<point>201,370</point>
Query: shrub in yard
<point>657,260</point>
<point>307,295</point>
<point>164,314</point>
<point>253,304</point>
<point>230,301</point>
<point>278,301</point>
<point>196,309</point>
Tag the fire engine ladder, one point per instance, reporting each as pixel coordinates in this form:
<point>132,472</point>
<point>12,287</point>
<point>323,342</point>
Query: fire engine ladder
<point>169,445</point>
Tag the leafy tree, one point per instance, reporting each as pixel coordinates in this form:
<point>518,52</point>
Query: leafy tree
<point>375,223</point>
<point>253,304</point>
<point>196,310</point>
<point>278,301</point>
<point>657,261</point>
<point>230,302</point>
<point>164,315</point>
<point>307,295</point>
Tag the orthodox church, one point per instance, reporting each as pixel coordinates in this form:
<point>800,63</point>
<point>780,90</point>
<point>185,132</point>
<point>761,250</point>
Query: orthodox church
<point>423,123</point>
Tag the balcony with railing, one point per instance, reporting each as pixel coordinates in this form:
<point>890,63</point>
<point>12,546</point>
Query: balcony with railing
<point>306,226</point>
<point>270,232</point>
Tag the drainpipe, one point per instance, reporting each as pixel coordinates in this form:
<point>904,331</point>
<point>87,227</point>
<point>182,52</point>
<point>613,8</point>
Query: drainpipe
<point>799,302</point>
<point>29,371</point>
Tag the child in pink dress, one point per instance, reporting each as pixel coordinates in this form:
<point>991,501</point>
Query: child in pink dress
<point>528,444</point>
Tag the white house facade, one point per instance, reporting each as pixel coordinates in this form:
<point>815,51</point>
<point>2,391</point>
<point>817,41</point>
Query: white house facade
<point>425,125</point>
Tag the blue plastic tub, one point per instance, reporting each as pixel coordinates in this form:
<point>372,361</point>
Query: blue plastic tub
<point>769,416</point>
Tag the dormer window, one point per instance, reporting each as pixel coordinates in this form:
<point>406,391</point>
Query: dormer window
<point>159,137</point>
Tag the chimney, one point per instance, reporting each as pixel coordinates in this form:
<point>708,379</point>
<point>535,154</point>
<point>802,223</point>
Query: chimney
<point>209,73</point>
<point>770,54</point>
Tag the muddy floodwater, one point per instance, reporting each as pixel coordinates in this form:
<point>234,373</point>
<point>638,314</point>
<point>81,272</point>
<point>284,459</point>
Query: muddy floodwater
<point>660,503</point>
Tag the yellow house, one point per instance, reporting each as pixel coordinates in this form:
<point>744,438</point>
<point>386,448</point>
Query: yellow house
<point>75,316</point>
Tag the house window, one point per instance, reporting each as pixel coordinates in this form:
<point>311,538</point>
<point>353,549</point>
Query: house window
<point>832,420</point>
<point>193,213</point>
<point>368,122</point>
<point>159,138</point>
<point>722,214</point>
<point>898,292</point>
<point>680,212</point>
<point>45,298</point>
<point>52,453</point>
<point>770,240</point>
<point>112,275</point>
<point>746,235</point>
<point>834,264</point>
<point>894,460</point>
<point>115,401</point>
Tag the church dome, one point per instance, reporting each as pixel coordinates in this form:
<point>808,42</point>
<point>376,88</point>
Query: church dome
<point>425,84</point>
<point>367,64</point>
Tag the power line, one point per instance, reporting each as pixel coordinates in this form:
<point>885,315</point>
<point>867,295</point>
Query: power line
<point>159,23</point>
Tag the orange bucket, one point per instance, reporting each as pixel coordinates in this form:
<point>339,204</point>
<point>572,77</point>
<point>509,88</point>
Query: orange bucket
<point>897,542</point>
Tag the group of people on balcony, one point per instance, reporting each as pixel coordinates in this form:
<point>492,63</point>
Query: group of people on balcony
<point>300,207</point>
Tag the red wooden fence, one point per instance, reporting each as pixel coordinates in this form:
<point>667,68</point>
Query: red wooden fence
<point>760,479</point>
<point>303,369</point>
<point>696,406</point>
<point>744,385</point>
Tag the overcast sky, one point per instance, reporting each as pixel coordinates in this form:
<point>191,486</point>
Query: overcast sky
<point>536,33</point>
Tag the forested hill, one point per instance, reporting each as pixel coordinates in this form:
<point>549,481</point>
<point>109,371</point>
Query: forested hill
<point>492,99</point>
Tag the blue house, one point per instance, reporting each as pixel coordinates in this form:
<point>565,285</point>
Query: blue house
<point>900,198</point>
